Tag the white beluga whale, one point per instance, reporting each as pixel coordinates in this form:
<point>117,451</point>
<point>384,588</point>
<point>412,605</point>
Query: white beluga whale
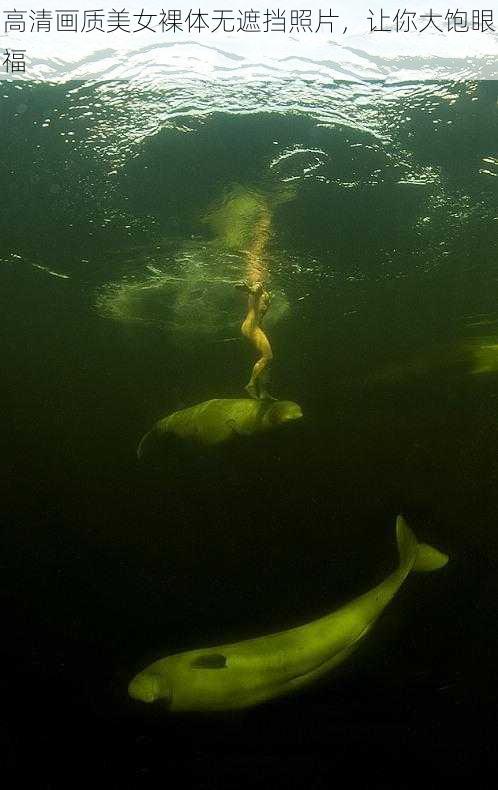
<point>250,672</point>
<point>218,421</point>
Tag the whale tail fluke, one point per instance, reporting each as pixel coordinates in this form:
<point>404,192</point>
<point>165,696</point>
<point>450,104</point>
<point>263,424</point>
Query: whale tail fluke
<point>417,556</point>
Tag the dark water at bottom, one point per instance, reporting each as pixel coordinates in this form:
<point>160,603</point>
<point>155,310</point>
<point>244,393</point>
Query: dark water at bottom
<point>108,565</point>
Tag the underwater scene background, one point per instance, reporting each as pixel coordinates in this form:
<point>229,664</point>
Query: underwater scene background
<point>124,215</point>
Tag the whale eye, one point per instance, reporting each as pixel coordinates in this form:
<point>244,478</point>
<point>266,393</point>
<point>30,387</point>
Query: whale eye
<point>210,661</point>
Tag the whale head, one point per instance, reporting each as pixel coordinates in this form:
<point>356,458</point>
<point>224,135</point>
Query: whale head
<point>283,411</point>
<point>149,687</point>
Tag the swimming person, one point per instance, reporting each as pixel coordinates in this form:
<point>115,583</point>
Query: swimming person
<point>258,303</point>
<point>243,223</point>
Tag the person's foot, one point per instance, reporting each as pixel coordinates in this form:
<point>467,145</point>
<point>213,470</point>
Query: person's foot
<point>251,390</point>
<point>265,395</point>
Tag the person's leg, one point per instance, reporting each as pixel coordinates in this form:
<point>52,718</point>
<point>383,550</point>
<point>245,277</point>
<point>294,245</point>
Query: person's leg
<point>256,386</point>
<point>250,321</point>
<point>258,304</point>
<point>263,381</point>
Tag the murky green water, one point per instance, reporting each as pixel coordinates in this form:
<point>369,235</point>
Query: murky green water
<point>117,309</point>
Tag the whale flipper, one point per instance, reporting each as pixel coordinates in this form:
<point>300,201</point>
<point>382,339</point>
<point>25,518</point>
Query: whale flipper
<point>147,444</point>
<point>238,431</point>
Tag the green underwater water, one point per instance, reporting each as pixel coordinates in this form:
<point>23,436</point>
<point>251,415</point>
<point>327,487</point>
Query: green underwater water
<point>118,307</point>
